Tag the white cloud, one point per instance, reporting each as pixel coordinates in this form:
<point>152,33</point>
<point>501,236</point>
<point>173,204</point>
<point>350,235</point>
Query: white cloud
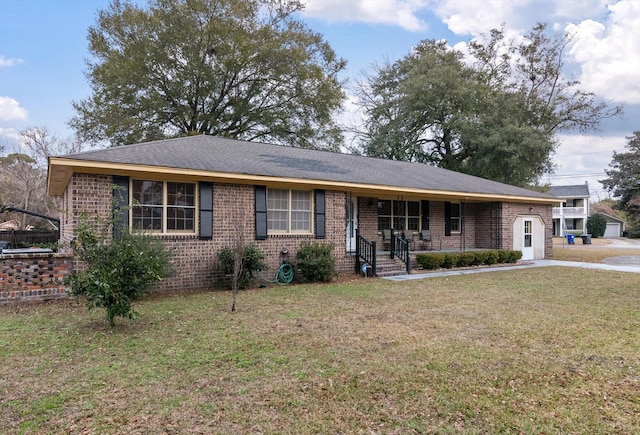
<point>10,110</point>
<point>11,140</point>
<point>581,158</point>
<point>4,62</point>
<point>402,13</point>
<point>609,52</point>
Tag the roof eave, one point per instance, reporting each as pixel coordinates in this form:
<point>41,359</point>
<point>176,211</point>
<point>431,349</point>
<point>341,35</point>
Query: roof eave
<point>61,170</point>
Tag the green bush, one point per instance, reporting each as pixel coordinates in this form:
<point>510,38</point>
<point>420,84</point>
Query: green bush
<point>118,271</point>
<point>634,232</point>
<point>450,260</point>
<point>316,262</point>
<point>503,255</point>
<point>252,262</point>
<point>466,259</point>
<point>463,259</point>
<point>514,256</point>
<point>430,261</point>
<point>596,225</point>
<point>491,257</point>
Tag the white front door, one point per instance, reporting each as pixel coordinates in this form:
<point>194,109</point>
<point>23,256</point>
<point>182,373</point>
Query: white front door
<point>352,222</point>
<point>527,242</point>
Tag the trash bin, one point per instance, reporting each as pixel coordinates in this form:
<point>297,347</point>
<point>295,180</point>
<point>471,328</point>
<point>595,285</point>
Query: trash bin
<point>571,239</point>
<point>586,239</point>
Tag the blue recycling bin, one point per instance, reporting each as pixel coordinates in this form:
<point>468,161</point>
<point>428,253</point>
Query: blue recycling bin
<point>571,239</point>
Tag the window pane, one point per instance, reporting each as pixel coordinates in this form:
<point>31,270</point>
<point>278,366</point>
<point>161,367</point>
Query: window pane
<point>300,200</point>
<point>179,218</point>
<point>147,218</point>
<point>455,210</point>
<point>301,221</point>
<point>455,225</point>
<point>398,222</point>
<point>277,199</point>
<point>277,209</point>
<point>147,192</point>
<point>399,208</point>
<point>277,220</point>
<point>414,208</point>
<point>413,224</point>
<point>300,211</point>
<point>527,241</point>
<point>384,223</point>
<point>384,208</point>
<point>181,194</point>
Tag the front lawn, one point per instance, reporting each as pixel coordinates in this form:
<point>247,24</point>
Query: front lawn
<point>541,350</point>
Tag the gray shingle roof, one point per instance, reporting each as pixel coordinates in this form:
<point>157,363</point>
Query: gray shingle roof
<point>210,153</point>
<point>573,191</point>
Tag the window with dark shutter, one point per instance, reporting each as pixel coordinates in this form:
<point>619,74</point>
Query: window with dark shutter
<point>319,205</point>
<point>206,211</point>
<point>261,212</point>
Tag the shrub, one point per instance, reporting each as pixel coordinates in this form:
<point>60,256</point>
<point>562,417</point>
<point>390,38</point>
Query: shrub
<point>503,255</point>
<point>596,225</point>
<point>481,258</point>
<point>316,262</point>
<point>514,256</point>
<point>252,262</point>
<point>466,259</point>
<point>450,260</point>
<point>430,261</point>
<point>117,271</point>
<point>634,232</point>
<point>491,257</point>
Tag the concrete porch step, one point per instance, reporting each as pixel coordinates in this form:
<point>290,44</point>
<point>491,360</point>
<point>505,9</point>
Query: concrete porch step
<point>385,266</point>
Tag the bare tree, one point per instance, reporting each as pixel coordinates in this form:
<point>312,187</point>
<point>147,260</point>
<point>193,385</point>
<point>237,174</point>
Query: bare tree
<point>239,225</point>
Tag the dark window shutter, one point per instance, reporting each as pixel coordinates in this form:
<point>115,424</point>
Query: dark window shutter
<point>425,215</point>
<point>319,206</point>
<point>261,212</point>
<point>120,204</point>
<point>447,218</point>
<point>206,211</point>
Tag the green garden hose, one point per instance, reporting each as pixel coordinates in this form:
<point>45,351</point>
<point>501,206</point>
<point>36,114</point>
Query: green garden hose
<point>284,274</point>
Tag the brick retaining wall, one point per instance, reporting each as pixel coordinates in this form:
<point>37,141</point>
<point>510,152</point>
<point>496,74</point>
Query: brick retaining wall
<point>33,277</point>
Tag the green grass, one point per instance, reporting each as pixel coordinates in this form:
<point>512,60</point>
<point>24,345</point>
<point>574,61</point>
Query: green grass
<point>544,350</point>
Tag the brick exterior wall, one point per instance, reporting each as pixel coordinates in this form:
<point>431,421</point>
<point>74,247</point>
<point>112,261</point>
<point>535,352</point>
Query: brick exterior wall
<point>30,277</point>
<point>509,213</point>
<point>195,261</point>
<point>486,226</point>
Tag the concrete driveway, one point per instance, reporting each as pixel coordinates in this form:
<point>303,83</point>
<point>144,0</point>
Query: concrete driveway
<point>624,260</point>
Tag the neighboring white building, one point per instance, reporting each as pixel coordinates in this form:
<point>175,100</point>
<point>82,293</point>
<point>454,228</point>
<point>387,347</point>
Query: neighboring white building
<point>571,216</point>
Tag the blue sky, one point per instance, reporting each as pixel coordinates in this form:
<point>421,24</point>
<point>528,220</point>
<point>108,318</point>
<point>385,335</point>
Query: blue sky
<point>43,47</point>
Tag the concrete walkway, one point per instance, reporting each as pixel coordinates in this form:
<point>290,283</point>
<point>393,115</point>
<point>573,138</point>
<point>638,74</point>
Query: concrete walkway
<point>527,265</point>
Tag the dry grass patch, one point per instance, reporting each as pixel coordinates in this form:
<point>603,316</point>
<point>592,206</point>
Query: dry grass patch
<point>594,253</point>
<point>539,350</point>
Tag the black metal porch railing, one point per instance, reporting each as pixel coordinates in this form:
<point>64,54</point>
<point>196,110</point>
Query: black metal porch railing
<point>365,252</point>
<point>400,249</point>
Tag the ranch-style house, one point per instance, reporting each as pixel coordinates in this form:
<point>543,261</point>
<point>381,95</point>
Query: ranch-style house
<point>200,193</point>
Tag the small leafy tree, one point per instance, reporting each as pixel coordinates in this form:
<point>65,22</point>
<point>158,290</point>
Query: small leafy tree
<point>596,225</point>
<point>118,271</point>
